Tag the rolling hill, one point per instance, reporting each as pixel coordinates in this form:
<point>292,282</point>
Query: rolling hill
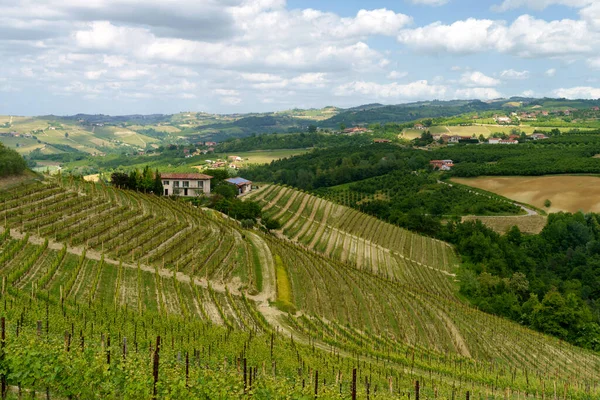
<point>158,295</point>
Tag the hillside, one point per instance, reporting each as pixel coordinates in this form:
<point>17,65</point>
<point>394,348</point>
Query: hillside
<point>110,263</point>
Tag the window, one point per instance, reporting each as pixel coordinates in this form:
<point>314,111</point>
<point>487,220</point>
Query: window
<point>165,183</point>
<point>201,184</point>
<point>186,184</point>
<point>176,184</point>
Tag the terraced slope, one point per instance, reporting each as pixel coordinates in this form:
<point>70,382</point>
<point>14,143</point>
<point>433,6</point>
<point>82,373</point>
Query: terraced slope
<point>350,236</point>
<point>395,324</point>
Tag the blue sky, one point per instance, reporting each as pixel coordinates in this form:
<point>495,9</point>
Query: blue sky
<point>229,56</point>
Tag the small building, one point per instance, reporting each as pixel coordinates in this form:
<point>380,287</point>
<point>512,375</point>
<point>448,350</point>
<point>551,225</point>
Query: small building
<point>382,141</point>
<point>234,158</point>
<point>420,127</point>
<point>443,165</point>
<point>494,141</point>
<point>243,185</point>
<point>210,144</point>
<point>354,130</point>
<point>539,136</point>
<point>186,185</point>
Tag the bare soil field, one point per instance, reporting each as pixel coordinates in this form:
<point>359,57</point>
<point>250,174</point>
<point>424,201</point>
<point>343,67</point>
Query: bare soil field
<point>570,193</point>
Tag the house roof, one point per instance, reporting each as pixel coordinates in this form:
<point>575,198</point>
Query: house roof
<point>195,177</point>
<point>238,181</point>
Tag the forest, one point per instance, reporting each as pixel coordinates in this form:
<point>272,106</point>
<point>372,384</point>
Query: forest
<point>549,282</point>
<point>278,141</point>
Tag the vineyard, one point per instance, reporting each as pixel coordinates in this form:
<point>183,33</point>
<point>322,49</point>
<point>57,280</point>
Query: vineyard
<point>114,294</point>
<point>350,236</point>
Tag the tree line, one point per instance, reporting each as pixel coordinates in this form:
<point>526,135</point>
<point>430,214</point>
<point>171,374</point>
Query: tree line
<point>145,181</point>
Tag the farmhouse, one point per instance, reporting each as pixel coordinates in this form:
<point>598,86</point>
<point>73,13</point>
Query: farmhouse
<point>235,158</point>
<point>539,136</point>
<point>355,130</point>
<point>186,185</point>
<point>443,165</point>
<point>243,185</point>
<point>420,127</point>
<point>382,141</point>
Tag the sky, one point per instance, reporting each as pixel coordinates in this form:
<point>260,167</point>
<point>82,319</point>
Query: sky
<point>119,57</point>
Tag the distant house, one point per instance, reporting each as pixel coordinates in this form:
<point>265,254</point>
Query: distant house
<point>502,141</point>
<point>186,185</point>
<point>503,120</point>
<point>355,130</point>
<point>234,158</point>
<point>457,139</point>
<point>595,108</point>
<point>545,113</point>
<point>420,127</point>
<point>443,165</point>
<point>210,144</point>
<point>243,185</point>
<point>539,136</point>
<point>382,141</point>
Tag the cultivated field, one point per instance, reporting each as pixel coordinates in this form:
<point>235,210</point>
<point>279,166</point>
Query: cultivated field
<point>567,193</point>
<point>481,129</point>
<point>372,298</point>
<point>532,224</point>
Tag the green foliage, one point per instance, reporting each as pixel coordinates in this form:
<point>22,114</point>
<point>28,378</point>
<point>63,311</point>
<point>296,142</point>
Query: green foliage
<point>290,141</point>
<point>547,203</point>
<point>271,224</point>
<point>234,207</point>
<point>145,181</point>
<point>506,275</point>
<point>11,162</point>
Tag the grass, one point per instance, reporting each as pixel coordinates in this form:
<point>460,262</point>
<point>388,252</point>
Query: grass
<point>284,289</point>
<point>569,193</point>
<point>484,129</point>
<point>258,156</point>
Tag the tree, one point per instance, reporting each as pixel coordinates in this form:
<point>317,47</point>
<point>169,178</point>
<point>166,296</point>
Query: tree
<point>312,129</point>
<point>342,127</point>
<point>120,180</point>
<point>157,188</point>
<point>271,224</point>
<point>547,203</point>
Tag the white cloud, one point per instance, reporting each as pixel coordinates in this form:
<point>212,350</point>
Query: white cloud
<point>551,72</point>
<point>226,92</point>
<point>478,93</point>
<point>528,93</point>
<point>231,101</point>
<point>434,3</point>
<point>513,74</point>
<point>539,4</point>
<point>260,77</point>
<point>314,78</point>
<point>478,79</point>
<point>580,92</point>
<point>594,63</point>
<point>393,75</point>
<point>415,90</point>
<point>525,37</point>
<point>93,75</point>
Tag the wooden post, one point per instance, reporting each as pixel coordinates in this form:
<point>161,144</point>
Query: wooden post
<point>417,390</point>
<point>245,376</point>
<point>468,395</point>
<point>316,384</point>
<point>354,384</point>
<point>187,369</point>
<point>3,344</point>
<point>155,366</point>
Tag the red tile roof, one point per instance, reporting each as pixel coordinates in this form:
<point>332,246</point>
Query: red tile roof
<point>196,177</point>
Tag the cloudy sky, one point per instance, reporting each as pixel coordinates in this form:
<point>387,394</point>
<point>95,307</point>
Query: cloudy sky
<point>225,56</point>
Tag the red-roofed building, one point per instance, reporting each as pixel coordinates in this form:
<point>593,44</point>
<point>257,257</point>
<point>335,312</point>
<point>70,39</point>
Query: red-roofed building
<point>443,165</point>
<point>186,185</point>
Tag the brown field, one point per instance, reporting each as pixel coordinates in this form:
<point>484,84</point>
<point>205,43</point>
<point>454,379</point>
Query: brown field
<point>527,224</point>
<point>570,193</point>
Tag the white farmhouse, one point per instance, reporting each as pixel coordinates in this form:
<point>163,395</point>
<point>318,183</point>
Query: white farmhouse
<point>186,185</point>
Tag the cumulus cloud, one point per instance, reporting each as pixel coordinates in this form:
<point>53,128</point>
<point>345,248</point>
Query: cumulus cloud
<point>478,79</point>
<point>513,74</point>
<point>551,72</point>
<point>525,37</point>
<point>580,92</point>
